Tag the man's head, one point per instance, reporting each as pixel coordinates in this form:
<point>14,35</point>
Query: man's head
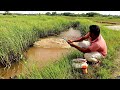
<point>94,31</point>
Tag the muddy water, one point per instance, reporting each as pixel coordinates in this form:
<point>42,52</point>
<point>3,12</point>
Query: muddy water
<point>15,69</point>
<point>45,50</point>
<point>41,56</point>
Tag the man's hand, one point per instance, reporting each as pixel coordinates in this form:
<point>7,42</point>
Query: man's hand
<point>69,41</point>
<point>71,44</point>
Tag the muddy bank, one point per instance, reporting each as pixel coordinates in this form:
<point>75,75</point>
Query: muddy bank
<point>109,23</point>
<point>51,42</point>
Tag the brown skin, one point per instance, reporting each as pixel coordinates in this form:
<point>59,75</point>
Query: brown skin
<point>84,50</point>
<point>81,39</point>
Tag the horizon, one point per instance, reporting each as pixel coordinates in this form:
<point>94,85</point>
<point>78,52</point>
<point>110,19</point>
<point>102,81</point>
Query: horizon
<point>75,12</point>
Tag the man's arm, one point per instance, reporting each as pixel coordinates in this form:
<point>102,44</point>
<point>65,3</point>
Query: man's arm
<point>80,39</point>
<point>84,50</point>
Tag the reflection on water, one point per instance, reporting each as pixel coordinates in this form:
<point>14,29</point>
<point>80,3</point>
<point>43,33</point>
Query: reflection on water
<point>45,50</point>
<point>15,69</point>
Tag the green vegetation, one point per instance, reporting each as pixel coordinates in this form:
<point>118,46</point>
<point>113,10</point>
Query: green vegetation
<point>105,20</point>
<point>62,69</point>
<point>19,32</point>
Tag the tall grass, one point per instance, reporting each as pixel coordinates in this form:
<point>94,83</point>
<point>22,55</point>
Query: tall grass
<point>18,33</point>
<point>63,70</point>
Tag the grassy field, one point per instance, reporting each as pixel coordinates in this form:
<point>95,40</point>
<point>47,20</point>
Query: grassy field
<point>104,20</point>
<point>19,32</point>
<point>63,70</point>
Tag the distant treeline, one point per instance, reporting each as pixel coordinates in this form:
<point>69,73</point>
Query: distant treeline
<point>90,14</point>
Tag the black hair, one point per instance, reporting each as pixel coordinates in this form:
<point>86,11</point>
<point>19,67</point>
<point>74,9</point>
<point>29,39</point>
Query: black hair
<point>95,29</point>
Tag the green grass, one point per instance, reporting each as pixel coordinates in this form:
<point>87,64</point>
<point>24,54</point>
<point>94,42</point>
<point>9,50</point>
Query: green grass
<point>63,70</point>
<point>17,33</point>
<point>104,20</point>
